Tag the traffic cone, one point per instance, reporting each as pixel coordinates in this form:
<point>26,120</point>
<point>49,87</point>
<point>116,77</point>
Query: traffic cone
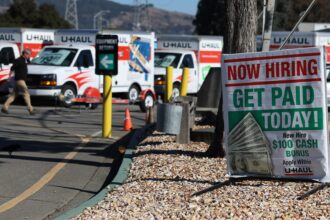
<point>127,122</point>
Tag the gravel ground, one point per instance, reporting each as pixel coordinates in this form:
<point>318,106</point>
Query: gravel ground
<point>164,175</point>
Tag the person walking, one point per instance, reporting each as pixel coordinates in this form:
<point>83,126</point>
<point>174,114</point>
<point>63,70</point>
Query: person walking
<point>20,70</point>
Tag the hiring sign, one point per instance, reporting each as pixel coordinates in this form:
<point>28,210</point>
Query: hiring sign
<point>275,114</point>
<point>106,54</point>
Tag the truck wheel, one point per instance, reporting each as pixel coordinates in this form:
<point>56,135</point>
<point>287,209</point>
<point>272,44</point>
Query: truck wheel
<point>147,102</point>
<point>176,90</point>
<point>133,93</point>
<point>69,93</point>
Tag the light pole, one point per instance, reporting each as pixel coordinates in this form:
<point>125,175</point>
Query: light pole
<point>98,18</point>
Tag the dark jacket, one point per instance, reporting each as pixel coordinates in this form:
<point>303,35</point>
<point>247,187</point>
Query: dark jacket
<point>20,69</point>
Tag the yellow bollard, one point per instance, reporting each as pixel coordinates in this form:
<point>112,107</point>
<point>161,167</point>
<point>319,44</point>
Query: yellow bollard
<point>184,82</point>
<point>107,107</point>
<point>168,84</point>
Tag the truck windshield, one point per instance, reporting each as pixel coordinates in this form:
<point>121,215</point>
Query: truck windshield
<point>55,57</point>
<point>167,59</point>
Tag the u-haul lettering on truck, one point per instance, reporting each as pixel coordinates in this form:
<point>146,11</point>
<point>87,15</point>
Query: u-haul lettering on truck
<point>76,39</point>
<point>178,45</point>
<point>211,45</point>
<point>38,37</point>
<point>8,37</point>
<point>293,40</point>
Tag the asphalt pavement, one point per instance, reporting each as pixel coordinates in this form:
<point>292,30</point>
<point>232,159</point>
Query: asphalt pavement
<point>59,158</point>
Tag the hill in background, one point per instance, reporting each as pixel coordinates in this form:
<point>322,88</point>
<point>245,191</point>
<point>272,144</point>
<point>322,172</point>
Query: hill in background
<point>121,16</point>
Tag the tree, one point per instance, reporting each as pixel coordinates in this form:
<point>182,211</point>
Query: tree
<point>210,15</point>
<point>20,12</point>
<point>49,18</point>
<point>209,19</point>
<point>26,13</point>
<point>239,37</point>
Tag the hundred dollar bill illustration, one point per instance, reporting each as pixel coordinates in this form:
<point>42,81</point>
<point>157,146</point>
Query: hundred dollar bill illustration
<point>249,150</point>
<point>245,162</point>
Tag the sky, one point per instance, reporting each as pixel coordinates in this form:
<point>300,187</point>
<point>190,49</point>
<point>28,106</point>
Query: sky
<point>185,6</point>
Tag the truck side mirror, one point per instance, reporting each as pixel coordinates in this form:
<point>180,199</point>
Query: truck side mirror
<point>85,61</point>
<point>11,58</point>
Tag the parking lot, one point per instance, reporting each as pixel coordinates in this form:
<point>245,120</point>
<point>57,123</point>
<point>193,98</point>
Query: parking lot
<point>59,158</point>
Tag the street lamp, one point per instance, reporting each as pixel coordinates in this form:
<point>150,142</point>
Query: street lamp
<point>99,17</point>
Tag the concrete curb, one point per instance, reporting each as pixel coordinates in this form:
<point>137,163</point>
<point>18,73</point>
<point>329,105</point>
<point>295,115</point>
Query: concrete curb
<point>118,180</point>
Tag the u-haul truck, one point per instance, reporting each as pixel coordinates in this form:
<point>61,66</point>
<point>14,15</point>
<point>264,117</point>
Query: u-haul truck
<point>198,53</point>
<point>299,40</point>
<point>33,39</point>
<point>12,41</point>
<point>135,63</point>
<point>70,66</point>
<point>8,53</point>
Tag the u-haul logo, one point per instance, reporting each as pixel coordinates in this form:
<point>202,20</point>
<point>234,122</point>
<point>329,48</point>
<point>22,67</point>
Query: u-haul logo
<point>9,37</point>
<point>38,37</point>
<point>211,45</point>
<point>76,39</point>
<point>178,45</point>
<point>293,40</point>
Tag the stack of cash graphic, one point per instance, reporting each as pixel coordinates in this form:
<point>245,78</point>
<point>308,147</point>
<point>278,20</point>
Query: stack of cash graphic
<point>249,150</point>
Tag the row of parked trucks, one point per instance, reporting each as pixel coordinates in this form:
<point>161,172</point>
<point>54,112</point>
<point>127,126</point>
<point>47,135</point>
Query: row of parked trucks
<point>63,61</point>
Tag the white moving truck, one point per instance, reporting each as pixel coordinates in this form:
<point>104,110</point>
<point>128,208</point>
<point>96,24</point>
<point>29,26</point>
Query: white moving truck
<point>299,40</point>
<point>31,38</point>
<point>8,53</point>
<point>198,53</point>
<point>69,66</point>
<point>135,63</point>
<point>13,40</point>
<point>62,70</point>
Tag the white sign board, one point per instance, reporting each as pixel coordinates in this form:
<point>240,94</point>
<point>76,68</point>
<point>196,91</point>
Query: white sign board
<point>275,114</point>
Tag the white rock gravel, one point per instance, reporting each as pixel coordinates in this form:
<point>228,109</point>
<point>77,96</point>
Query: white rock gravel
<point>164,175</point>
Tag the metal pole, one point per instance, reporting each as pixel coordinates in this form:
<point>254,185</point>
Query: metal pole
<point>269,7</point>
<point>96,18</point>
<point>107,106</point>
<point>299,21</point>
<point>263,13</point>
<point>184,82</point>
<point>169,83</point>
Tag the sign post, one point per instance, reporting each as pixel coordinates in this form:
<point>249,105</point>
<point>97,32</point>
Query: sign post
<point>107,65</point>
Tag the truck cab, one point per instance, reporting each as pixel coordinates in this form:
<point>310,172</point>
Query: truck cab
<point>198,53</point>
<point>8,53</point>
<point>178,60</point>
<point>63,71</point>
